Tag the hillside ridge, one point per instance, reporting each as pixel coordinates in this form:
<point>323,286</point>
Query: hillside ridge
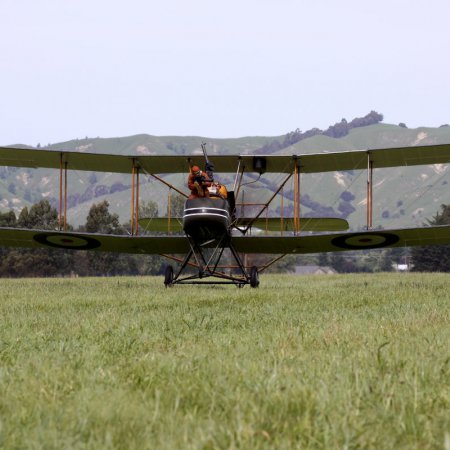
<point>341,194</point>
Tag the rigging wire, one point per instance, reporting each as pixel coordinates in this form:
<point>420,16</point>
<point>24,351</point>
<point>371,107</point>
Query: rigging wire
<point>347,188</point>
<point>251,182</point>
<point>421,195</point>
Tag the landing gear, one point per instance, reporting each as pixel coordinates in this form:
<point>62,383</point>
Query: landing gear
<point>205,257</point>
<point>254,277</point>
<point>168,276</point>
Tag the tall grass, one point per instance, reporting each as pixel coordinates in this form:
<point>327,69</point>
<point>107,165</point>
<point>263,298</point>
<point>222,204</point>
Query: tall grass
<point>301,362</point>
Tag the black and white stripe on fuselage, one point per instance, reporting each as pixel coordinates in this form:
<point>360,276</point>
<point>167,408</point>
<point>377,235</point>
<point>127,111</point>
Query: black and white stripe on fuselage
<point>205,219</point>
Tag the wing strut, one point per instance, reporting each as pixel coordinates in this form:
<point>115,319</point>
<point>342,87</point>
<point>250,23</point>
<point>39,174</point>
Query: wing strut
<point>369,191</point>
<point>137,200</point>
<point>296,197</point>
<point>169,209</point>
<point>62,201</point>
<point>134,198</point>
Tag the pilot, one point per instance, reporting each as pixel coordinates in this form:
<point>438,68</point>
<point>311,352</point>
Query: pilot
<point>198,183</point>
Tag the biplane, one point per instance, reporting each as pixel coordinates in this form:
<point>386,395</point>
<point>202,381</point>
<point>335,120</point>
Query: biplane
<point>212,225</point>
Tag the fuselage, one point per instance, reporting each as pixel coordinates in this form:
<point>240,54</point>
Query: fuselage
<point>206,219</point>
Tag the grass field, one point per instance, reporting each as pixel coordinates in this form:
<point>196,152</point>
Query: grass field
<point>302,362</point>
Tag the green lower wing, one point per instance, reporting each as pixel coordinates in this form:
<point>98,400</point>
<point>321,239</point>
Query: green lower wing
<point>408,237</point>
<point>14,237</point>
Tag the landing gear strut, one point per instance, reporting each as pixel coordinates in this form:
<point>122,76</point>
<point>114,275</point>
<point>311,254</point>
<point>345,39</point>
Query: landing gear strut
<point>205,258</point>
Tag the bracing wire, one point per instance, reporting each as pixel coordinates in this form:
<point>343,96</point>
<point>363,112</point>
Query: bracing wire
<point>409,205</point>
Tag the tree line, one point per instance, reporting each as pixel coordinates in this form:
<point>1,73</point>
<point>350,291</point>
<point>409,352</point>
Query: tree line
<point>43,262</point>
<point>338,130</point>
<point>433,258</point>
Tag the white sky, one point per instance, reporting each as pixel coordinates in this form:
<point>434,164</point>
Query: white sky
<point>76,68</point>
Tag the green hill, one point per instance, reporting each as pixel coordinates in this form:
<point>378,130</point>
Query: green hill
<point>402,196</point>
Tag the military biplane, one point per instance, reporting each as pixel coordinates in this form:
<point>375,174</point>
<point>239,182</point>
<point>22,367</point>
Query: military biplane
<point>212,224</point>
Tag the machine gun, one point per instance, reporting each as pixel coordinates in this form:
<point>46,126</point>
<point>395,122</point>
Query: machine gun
<point>201,179</point>
<point>209,166</point>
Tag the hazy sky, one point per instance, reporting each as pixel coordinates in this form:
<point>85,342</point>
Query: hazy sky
<point>76,68</point>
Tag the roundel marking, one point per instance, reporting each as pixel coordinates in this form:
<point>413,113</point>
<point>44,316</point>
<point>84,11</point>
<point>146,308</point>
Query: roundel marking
<point>361,241</point>
<point>67,241</point>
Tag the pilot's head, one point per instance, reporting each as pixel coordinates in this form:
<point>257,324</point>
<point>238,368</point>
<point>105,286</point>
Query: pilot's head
<point>196,170</point>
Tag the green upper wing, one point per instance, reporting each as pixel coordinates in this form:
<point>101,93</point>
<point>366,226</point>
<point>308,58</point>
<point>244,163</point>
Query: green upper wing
<point>311,163</point>
<point>408,237</point>
<point>14,237</point>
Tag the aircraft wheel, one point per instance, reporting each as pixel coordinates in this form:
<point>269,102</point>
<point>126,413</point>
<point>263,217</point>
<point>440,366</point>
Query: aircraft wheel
<point>168,276</point>
<point>254,277</point>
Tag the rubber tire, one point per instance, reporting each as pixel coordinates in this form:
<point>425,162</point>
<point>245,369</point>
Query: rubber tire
<point>254,277</point>
<point>168,276</point>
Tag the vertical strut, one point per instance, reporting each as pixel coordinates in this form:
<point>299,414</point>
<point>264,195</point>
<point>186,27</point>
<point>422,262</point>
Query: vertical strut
<point>60,191</point>
<point>169,209</point>
<point>369,191</point>
<point>65,196</point>
<point>296,197</point>
<point>62,219</point>
<point>137,201</point>
<point>132,197</point>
